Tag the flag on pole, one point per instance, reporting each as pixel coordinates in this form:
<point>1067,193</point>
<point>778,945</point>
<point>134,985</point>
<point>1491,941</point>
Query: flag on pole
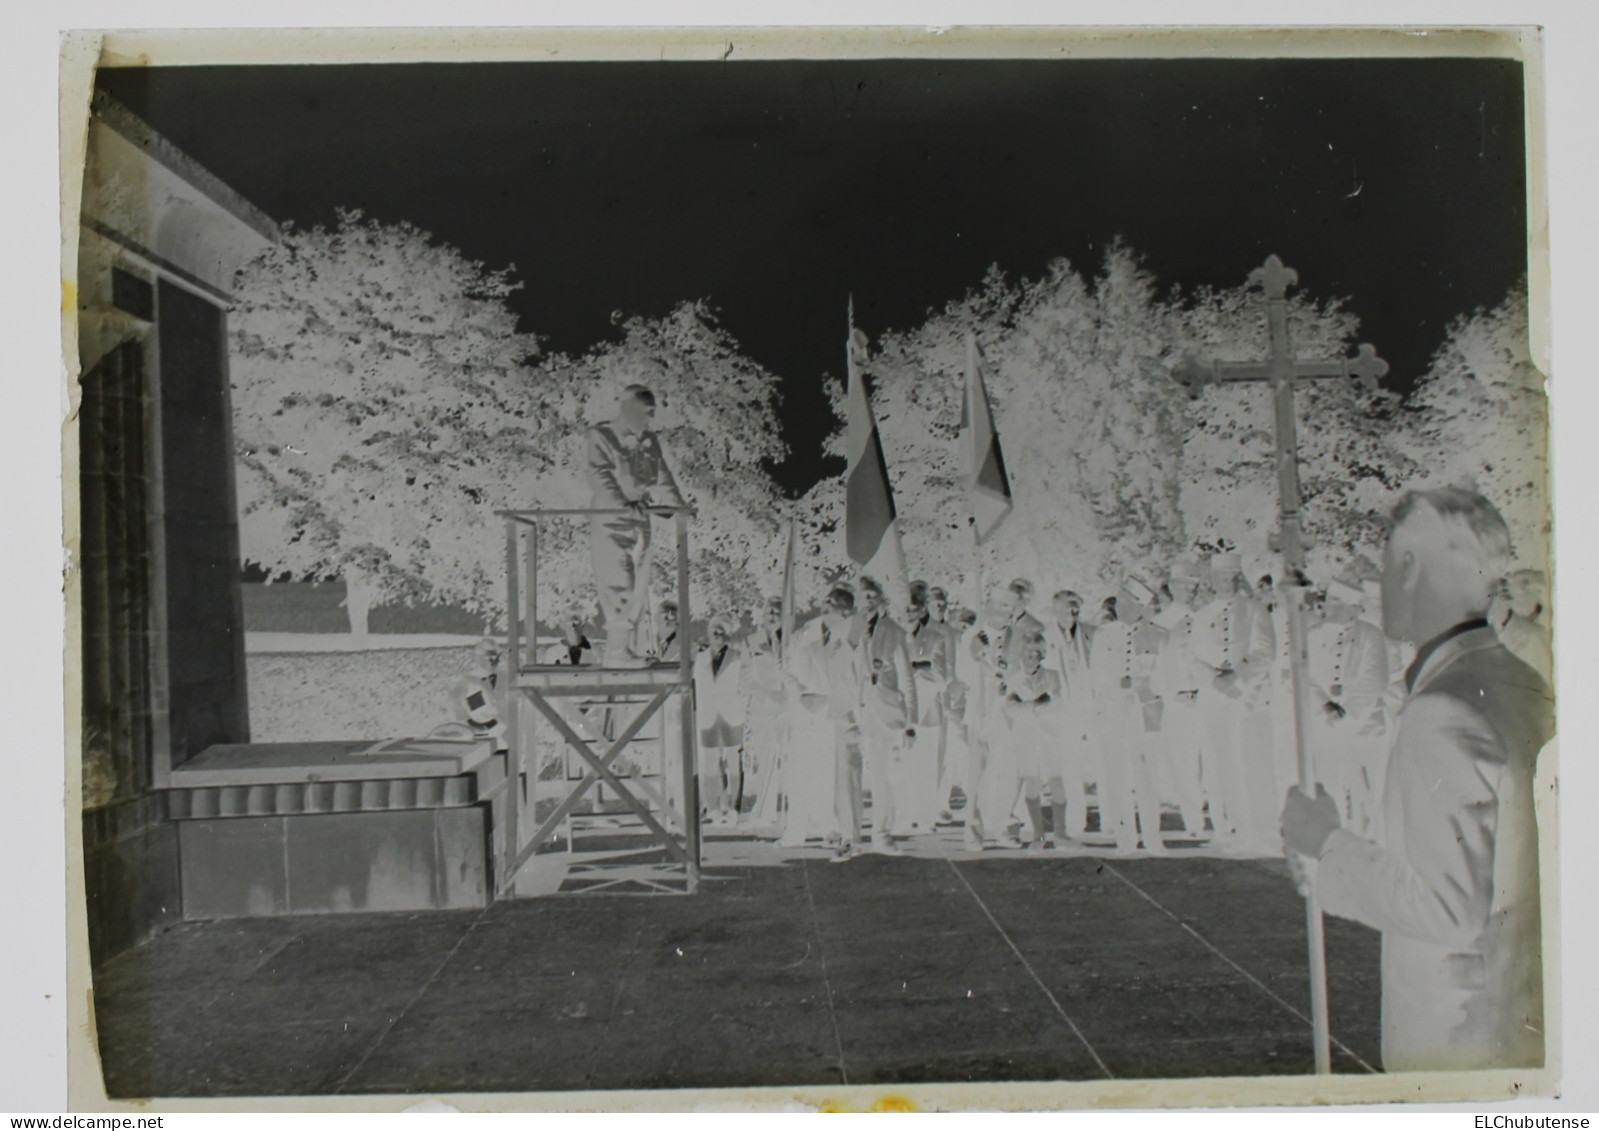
<point>871,530</point>
<point>788,597</point>
<point>989,485</point>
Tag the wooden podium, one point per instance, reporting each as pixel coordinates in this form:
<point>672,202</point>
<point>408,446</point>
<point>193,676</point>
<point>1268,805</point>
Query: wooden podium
<point>552,691</point>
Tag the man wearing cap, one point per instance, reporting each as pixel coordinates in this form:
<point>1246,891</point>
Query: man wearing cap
<point>964,737</point>
<point>1126,648</point>
<point>1235,648</point>
<point>997,783</point>
<point>1180,683</point>
<point>1452,879</point>
<point>839,654</point>
<point>669,651</point>
<point>476,699</point>
<point>1070,642</point>
<point>822,767</point>
<point>765,722</point>
<point>1022,624</point>
<point>952,699</point>
<point>626,471</point>
<point>1347,666</point>
<point>888,709</point>
<point>917,784</point>
<point>720,713</point>
<point>668,648</point>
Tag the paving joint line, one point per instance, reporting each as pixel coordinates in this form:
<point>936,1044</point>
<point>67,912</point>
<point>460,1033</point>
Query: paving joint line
<point>1028,966</point>
<point>406,1008</point>
<point>1219,953</point>
<point>616,1002</point>
<point>821,956</point>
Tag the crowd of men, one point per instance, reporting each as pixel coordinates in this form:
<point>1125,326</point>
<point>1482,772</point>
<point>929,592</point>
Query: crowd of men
<point>1040,723</point>
<point>1164,716</point>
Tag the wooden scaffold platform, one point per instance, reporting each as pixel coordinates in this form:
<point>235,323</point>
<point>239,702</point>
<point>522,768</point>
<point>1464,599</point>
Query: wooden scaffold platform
<point>618,828</point>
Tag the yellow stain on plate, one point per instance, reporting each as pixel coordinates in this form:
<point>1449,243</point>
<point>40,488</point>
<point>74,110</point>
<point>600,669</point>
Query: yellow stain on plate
<point>894,1102</point>
<point>833,1107</point>
<point>69,295</point>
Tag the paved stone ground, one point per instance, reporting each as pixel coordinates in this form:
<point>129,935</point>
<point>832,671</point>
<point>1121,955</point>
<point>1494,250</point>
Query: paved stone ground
<point>778,971</point>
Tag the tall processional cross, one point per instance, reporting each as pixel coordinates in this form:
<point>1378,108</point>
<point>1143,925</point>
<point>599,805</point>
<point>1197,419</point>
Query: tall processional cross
<point>1283,371</point>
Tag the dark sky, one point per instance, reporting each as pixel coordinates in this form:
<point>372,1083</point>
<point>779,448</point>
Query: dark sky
<point>775,189</point>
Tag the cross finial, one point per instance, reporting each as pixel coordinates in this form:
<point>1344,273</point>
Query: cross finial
<point>1273,278</point>
<point>1368,367</point>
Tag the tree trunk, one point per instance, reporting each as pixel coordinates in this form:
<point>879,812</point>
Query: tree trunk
<point>358,594</point>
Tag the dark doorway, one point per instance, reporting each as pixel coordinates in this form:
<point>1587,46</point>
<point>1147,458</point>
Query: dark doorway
<point>205,616</point>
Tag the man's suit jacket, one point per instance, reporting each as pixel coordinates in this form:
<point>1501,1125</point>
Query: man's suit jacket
<point>1453,884</point>
<point>720,693</point>
<point>1023,626</point>
<point>623,469</point>
<point>888,691</point>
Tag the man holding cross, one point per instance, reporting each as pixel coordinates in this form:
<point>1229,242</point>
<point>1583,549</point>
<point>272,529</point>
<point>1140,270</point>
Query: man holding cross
<point>1452,881</point>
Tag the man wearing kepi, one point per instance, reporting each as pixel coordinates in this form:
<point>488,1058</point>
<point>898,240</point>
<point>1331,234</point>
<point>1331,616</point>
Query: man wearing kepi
<point>888,711</point>
<point>1452,881</point>
<point>626,471</point>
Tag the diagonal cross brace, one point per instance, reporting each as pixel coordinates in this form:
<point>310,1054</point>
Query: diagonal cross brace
<point>599,769</point>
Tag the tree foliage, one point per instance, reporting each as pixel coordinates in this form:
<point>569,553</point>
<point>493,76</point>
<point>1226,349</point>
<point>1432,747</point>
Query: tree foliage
<point>379,397</point>
<point>1480,418</point>
<point>387,404</point>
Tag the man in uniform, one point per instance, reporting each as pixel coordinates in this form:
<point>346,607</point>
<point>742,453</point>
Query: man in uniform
<point>952,701</point>
<point>917,786</point>
<point>1347,666</point>
<point>668,649</point>
<point>1235,650</point>
<point>964,737</point>
<point>888,710</point>
<point>765,726</point>
<point>839,657</point>
<point>719,708</point>
<point>1022,625</point>
<point>1452,880</point>
<point>1126,649</point>
<point>821,685</point>
<point>627,471</point>
<point>1179,683</point>
<point>476,701</point>
<point>1070,641</point>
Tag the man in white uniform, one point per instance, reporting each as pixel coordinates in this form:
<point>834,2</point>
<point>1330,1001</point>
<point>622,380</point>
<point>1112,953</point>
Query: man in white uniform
<point>719,710</point>
<point>917,785</point>
<point>1234,649</point>
<point>1178,681</point>
<point>1348,672</point>
<point>1126,648</point>
<point>888,711</point>
<point>1070,642</point>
